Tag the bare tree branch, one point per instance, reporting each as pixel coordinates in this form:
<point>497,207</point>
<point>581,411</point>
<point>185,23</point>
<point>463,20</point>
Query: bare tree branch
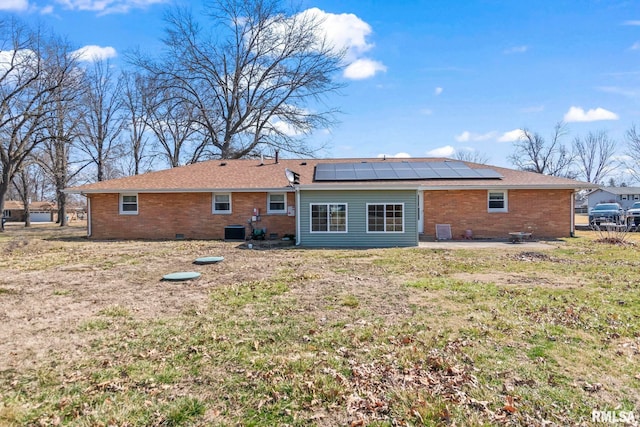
<point>252,79</point>
<point>594,156</point>
<point>32,68</point>
<point>534,154</point>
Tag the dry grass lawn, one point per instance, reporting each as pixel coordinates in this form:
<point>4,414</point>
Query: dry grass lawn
<point>91,336</point>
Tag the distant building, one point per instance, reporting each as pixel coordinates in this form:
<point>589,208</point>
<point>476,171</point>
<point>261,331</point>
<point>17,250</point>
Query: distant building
<point>626,196</point>
<point>38,211</point>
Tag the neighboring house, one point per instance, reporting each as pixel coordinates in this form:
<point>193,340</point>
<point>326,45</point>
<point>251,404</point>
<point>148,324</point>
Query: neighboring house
<point>626,196</point>
<point>38,211</point>
<point>331,202</point>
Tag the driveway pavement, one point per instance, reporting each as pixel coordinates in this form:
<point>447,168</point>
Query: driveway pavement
<point>484,244</point>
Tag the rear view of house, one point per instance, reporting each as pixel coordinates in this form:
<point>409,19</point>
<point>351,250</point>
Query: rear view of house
<point>331,202</point>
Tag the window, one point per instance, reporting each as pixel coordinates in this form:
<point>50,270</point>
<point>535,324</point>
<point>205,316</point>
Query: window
<point>6,214</point>
<point>222,203</point>
<point>623,197</point>
<point>498,201</point>
<point>277,203</point>
<point>636,197</point>
<point>329,218</point>
<point>385,218</point>
<point>128,204</point>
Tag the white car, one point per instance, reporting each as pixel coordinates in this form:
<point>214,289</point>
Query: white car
<point>633,215</point>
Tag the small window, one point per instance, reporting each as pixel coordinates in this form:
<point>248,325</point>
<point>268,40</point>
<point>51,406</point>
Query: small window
<point>385,218</point>
<point>222,203</point>
<point>128,204</point>
<point>623,197</point>
<point>277,203</point>
<point>6,213</point>
<point>636,197</point>
<point>497,201</point>
<point>329,218</point>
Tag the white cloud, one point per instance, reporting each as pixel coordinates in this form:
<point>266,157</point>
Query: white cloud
<point>14,5</point>
<point>437,91</point>
<point>363,69</point>
<point>634,23</point>
<point>46,10</point>
<point>511,136</point>
<point>464,136</point>
<point>446,151</point>
<point>635,46</point>
<point>92,53</point>
<point>287,128</point>
<point>467,136</point>
<point>346,32</point>
<point>104,7</point>
<point>515,49</point>
<point>577,114</point>
<point>400,155</point>
<point>426,111</point>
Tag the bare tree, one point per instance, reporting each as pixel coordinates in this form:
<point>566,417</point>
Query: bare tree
<point>134,100</point>
<point>633,152</point>
<point>174,124</point>
<point>472,156</point>
<point>102,121</point>
<point>28,183</point>
<point>252,77</point>
<point>594,156</point>
<point>62,127</point>
<point>534,154</point>
<point>32,67</point>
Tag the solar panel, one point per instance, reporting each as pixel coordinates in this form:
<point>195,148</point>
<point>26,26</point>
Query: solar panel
<point>388,171</point>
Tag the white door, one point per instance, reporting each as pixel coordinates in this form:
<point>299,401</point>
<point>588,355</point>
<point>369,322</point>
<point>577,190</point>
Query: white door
<point>420,212</point>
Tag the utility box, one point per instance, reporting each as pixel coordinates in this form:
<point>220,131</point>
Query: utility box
<point>234,232</point>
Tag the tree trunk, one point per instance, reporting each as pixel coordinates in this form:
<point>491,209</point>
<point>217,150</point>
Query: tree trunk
<point>4,188</point>
<point>62,208</point>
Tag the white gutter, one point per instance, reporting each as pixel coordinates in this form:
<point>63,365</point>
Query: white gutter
<point>179,190</point>
<point>572,231</point>
<point>88,217</point>
<point>418,187</point>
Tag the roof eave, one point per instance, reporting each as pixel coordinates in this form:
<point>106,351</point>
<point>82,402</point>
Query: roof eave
<point>178,190</point>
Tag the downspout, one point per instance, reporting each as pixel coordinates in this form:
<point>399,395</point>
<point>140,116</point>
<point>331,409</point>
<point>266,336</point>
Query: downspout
<point>572,233</point>
<point>88,215</point>
<point>297,216</point>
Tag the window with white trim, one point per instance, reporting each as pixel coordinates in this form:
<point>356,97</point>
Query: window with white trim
<point>128,204</point>
<point>497,201</point>
<point>329,218</point>
<point>277,203</point>
<point>385,217</point>
<point>221,203</point>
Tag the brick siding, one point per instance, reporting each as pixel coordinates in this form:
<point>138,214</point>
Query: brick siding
<point>546,213</point>
<point>165,215</point>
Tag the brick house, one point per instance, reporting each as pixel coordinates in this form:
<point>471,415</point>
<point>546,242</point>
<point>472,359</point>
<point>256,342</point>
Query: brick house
<point>331,202</point>
<point>44,211</point>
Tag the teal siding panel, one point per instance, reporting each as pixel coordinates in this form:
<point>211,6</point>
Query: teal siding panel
<point>356,235</point>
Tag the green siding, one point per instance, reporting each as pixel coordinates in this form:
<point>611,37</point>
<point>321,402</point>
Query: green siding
<point>357,235</point>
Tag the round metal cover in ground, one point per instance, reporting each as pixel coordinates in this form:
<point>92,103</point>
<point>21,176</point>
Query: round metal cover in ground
<point>208,260</point>
<point>181,275</point>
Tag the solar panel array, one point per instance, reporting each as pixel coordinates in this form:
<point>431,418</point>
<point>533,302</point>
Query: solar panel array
<point>394,171</point>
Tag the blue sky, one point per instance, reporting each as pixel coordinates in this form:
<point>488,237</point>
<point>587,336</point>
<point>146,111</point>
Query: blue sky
<point>428,78</point>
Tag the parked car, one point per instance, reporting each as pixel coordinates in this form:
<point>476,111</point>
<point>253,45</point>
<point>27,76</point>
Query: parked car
<point>633,214</point>
<point>610,213</point>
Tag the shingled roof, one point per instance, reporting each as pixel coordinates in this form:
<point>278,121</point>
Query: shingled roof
<point>269,175</point>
